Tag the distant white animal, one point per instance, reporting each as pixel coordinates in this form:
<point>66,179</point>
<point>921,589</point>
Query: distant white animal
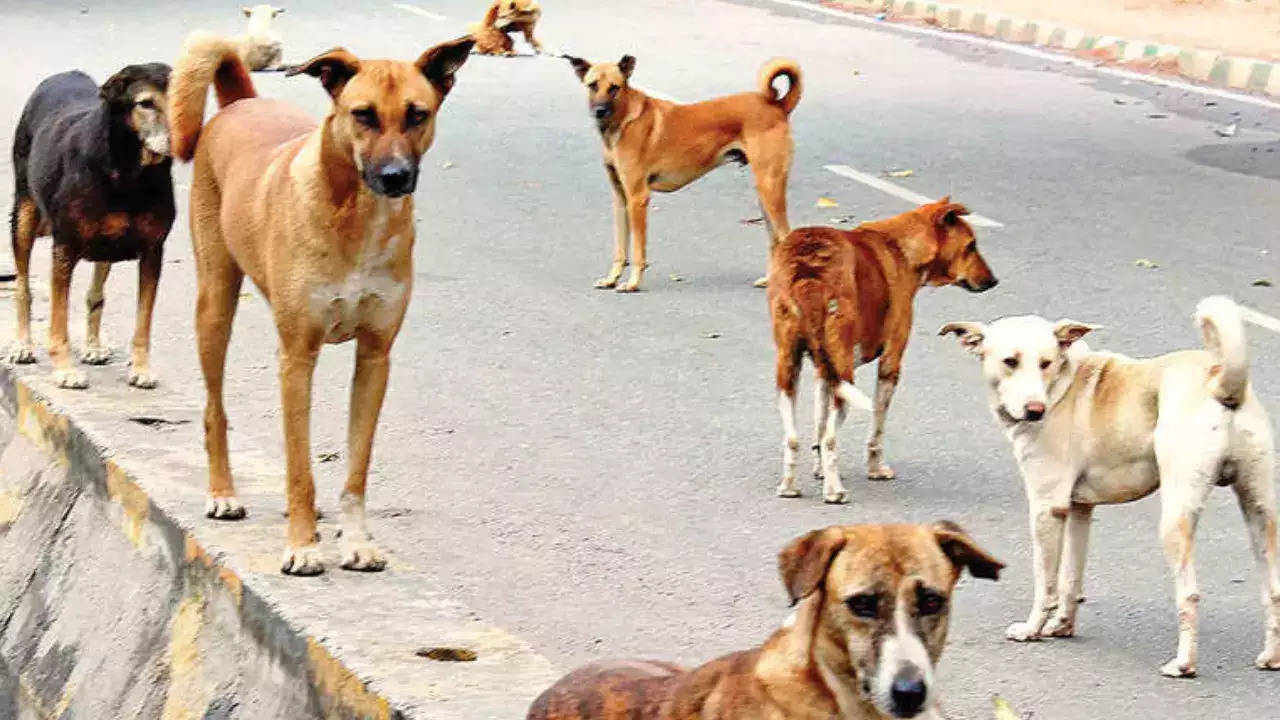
<point>261,47</point>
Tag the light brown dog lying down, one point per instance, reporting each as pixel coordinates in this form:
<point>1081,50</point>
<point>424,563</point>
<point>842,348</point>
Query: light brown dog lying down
<point>844,298</point>
<point>653,145</point>
<point>872,606</point>
<point>504,17</point>
<point>320,217</point>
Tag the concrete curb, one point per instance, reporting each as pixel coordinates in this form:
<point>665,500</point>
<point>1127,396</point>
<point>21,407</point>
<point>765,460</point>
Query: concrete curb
<point>1208,66</point>
<point>114,603</point>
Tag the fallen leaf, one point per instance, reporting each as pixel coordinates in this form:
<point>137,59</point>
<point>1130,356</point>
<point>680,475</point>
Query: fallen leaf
<point>712,335</point>
<point>826,202</point>
<point>1228,130</point>
<point>676,278</point>
<point>1210,103</point>
<point>1146,264</point>
<point>1004,711</point>
<point>329,456</point>
<point>857,72</point>
<point>447,164</point>
<point>899,173</point>
<point>1157,116</point>
<point>752,220</point>
<point>446,654</point>
<point>1118,101</point>
<point>1262,282</point>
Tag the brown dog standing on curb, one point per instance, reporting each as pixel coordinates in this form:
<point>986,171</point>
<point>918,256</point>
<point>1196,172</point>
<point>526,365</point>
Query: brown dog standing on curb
<point>845,297</point>
<point>656,145</point>
<point>870,623</point>
<point>321,219</point>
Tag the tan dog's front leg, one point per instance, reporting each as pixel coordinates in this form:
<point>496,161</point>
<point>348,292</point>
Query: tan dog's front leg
<point>95,353</point>
<point>24,238</point>
<point>373,364</point>
<point>297,364</point>
<point>1047,524</point>
<point>621,231</point>
<point>65,374</point>
<point>149,265</point>
<point>886,382</point>
<point>637,217</point>
<point>533,41</point>
<point>1071,583</point>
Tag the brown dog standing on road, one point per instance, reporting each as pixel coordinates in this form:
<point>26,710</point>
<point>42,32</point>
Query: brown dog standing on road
<point>844,297</point>
<point>504,17</point>
<point>656,145</point>
<point>870,623</point>
<point>321,219</point>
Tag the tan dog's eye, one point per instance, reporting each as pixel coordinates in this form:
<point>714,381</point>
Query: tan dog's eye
<point>1044,364</point>
<point>613,90</point>
<point>415,116</point>
<point>1011,363</point>
<point>866,605</point>
<point>146,103</point>
<point>592,86</point>
<point>367,117</point>
<point>929,602</point>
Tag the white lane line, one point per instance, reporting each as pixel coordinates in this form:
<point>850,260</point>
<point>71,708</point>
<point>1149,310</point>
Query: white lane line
<point>898,191</point>
<point>1262,320</point>
<point>419,11</point>
<point>1029,51</point>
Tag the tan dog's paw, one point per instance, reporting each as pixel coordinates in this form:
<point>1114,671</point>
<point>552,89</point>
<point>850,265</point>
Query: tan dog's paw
<point>762,281</point>
<point>21,354</point>
<point>628,287</point>
<point>96,355</point>
<point>1021,632</point>
<point>1060,627</point>
<point>224,508</point>
<point>1175,668</point>
<point>606,283</point>
<point>144,379</point>
<point>302,561</point>
<point>71,379</point>
<point>1268,660</point>
<point>363,556</point>
<point>881,473</point>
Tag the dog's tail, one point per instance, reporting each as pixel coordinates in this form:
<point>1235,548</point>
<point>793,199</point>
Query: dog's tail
<point>770,72</point>
<point>206,60</point>
<point>814,304</point>
<point>1219,319</point>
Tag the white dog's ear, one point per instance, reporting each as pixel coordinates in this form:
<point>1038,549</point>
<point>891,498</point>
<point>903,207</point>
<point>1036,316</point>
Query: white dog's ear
<point>1069,331</point>
<point>247,11</point>
<point>803,563</point>
<point>277,11</point>
<point>970,334</point>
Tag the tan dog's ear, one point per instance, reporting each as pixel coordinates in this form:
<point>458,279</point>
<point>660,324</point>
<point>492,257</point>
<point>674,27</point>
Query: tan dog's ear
<point>963,552</point>
<point>945,212</point>
<point>580,66</point>
<point>440,63</point>
<point>334,68</point>
<point>247,11</point>
<point>969,333</point>
<point>803,563</point>
<point>626,66</point>
<point>1069,331</point>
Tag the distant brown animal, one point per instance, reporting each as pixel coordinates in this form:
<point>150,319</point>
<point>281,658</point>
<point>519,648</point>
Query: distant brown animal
<point>504,17</point>
<point>320,217</point>
<point>872,606</point>
<point>844,298</point>
<point>656,145</point>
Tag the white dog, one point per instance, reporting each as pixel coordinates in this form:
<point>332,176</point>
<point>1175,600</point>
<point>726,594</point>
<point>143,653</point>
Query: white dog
<point>261,47</point>
<point>1092,428</point>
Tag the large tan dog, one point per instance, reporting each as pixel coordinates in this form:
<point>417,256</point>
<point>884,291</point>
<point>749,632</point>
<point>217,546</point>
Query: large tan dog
<point>321,219</point>
<point>871,615</point>
<point>503,17</point>
<point>656,145</point>
<point>845,298</point>
<point>1096,428</point>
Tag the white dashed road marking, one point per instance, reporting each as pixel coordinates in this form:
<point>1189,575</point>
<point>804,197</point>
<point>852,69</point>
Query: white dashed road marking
<point>1262,320</point>
<point>418,11</point>
<point>898,191</point>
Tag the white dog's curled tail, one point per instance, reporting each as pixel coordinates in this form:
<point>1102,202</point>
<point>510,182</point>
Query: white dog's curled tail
<point>1219,319</point>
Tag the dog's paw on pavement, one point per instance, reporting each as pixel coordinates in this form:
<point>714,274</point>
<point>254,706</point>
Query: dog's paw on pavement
<point>224,508</point>
<point>363,556</point>
<point>1021,632</point>
<point>1178,669</point>
<point>70,379</point>
<point>96,355</point>
<point>303,561</point>
<point>21,354</point>
<point>144,379</point>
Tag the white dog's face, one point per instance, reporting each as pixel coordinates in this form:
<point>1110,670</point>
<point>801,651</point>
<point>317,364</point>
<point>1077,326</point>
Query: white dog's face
<point>1022,357</point>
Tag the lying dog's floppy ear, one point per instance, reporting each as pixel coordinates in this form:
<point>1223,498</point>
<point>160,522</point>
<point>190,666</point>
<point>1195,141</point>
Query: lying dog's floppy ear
<point>804,562</point>
<point>969,333</point>
<point>580,66</point>
<point>627,65</point>
<point>334,68</point>
<point>963,552</point>
<point>441,63</point>
<point>1069,331</point>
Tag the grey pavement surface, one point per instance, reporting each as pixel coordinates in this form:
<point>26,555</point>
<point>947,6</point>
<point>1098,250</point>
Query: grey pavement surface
<point>594,472</point>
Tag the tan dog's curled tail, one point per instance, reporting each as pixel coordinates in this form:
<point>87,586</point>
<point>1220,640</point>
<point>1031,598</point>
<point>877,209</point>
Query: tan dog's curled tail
<point>206,60</point>
<point>1223,328</point>
<point>770,72</point>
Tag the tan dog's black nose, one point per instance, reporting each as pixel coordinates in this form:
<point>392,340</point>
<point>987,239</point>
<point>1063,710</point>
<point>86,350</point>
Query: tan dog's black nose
<point>1034,410</point>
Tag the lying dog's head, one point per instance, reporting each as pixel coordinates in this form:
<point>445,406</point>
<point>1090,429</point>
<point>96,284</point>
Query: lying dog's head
<point>1023,358</point>
<point>138,97</point>
<point>605,83</point>
<point>384,111</point>
<point>261,15</point>
<point>956,260</point>
<point>884,596</point>
<point>516,12</point>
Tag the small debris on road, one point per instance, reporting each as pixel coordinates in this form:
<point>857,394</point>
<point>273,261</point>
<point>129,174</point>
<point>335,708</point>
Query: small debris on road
<point>328,456</point>
<point>158,423</point>
<point>826,202</point>
<point>752,220</point>
<point>899,172</point>
<point>843,219</point>
<point>676,278</point>
<point>446,654</point>
<point>1228,130</point>
<point>1261,282</point>
<point>1145,264</point>
<point>447,164</point>
<point>1157,116</point>
<point>712,336</point>
<point>1003,710</point>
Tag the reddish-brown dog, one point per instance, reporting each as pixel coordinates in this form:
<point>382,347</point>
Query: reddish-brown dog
<point>503,17</point>
<point>872,609</point>
<point>845,298</point>
<point>320,217</point>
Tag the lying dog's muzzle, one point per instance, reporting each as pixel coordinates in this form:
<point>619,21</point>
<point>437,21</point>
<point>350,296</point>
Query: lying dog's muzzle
<point>395,178</point>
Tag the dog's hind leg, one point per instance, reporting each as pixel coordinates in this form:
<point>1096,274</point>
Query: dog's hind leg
<point>218,283</point>
<point>373,363</point>
<point>886,383</point>
<point>621,231</point>
<point>24,223</point>
<point>95,353</point>
<point>833,491</point>
<point>65,373</point>
<point>821,408</point>
<point>1047,526</point>
<point>149,265</point>
<point>1256,495</point>
<point>1070,583</point>
<point>788,371</point>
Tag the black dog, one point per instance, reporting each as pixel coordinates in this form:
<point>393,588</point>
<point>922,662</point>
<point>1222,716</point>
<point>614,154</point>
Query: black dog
<point>91,168</point>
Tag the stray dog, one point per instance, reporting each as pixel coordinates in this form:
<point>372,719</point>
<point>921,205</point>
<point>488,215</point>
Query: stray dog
<point>262,47</point>
<point>656,145</point>
<point>503,17</point>
<point>844,298</point>
<point>91,168</point>
<point>321,219</point>
<point>870,623</point>
<point>1095,428</point>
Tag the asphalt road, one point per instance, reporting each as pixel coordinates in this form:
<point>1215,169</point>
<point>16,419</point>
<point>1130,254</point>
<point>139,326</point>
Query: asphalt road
<point>595,472</point>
